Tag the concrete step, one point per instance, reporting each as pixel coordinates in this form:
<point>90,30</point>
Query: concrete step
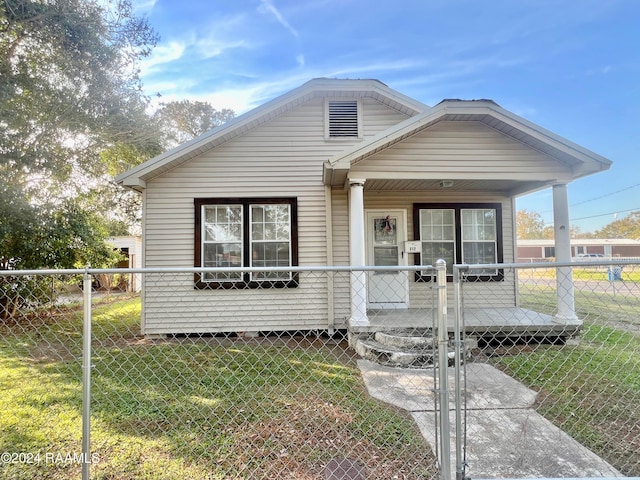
<point>382,354</point>
<point>411,348</point>
<point>406,339</point>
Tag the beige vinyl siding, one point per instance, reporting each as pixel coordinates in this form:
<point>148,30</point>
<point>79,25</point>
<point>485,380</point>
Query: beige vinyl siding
<point>281,158</point>
<point>422,295</point>
<point>340,229</point>
<point>461,150</point>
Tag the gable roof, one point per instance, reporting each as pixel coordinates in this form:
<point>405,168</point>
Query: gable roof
<point>320,87</point>
<point>579,160</point>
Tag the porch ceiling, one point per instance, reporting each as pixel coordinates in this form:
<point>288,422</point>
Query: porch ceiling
<point>504,187</point>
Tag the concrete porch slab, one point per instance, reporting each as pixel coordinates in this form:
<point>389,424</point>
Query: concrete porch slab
<point>507,321</point>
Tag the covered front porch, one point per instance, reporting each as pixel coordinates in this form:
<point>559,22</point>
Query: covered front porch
<point>425,178</point>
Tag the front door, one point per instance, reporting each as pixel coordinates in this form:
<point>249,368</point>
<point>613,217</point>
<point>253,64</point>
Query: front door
<point>385,236</point>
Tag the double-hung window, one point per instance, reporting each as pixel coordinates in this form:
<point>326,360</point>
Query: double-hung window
<point>460,233</point>
<point>246,232</point>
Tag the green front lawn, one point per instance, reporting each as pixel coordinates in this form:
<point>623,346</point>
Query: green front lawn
<point>589,388</point>
<point>279,407</point>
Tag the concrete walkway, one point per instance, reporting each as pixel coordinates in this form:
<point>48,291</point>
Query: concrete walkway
<point>506,438</point>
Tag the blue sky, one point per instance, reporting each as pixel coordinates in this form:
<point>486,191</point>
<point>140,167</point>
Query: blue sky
<point>571,66</point>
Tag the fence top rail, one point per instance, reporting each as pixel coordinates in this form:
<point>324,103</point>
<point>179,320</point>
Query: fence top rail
<point>311,268</point>
<point>458,268</point>
<point>546,265</point>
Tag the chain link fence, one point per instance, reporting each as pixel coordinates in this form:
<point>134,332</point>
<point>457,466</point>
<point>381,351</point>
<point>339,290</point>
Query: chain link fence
<point>290,391</point>
<point>251,402</point>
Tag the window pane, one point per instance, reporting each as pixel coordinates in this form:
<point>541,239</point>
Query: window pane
<point>489,216</point>
<point>447,233</point>
<point>436,224</point>
<point>433,251</point>
<point>385,231</point>
<point>385,256</point>
<point>219,255</point>
<point>489,233</point>
<point>222,233</point>
<point>223,223</point>
<point>479,252</point>
<point>270,222</point>
<point>271,254</point>
<point>270,240</point>
<point>437,231</point>
<point>478,224</point>
<point>447,217</point>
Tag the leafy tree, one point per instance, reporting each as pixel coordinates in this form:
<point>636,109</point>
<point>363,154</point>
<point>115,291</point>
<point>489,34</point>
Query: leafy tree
<point>69,92</point>
<point>530,226</point>
<point>180,121</point>
<point>627,227</point>
<point>69,85</point>
<point>53,236</point>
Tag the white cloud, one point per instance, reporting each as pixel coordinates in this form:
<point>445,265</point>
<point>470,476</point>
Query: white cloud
<point>163,54</point>
<point>375,67</point>
<point>268,6</point>
<point>144,5</point>
<point>213,47</point>
<point>239,100</point>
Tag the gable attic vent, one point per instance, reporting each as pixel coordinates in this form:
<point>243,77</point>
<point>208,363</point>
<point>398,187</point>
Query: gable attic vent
<point>343,119</point>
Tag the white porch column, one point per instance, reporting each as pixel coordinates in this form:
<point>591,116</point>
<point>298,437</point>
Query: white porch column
<point>566,308</point>
<point>357,254</point>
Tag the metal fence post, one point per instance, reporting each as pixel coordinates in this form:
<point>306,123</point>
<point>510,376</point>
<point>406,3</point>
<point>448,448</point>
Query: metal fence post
<point>459,351</point>
<point>86,375</point>
<point>443,363</point>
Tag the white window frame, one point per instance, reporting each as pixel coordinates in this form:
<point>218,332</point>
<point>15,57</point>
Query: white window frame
<point>459,208</point>
<point>284,276</point>
<point>220,277</point>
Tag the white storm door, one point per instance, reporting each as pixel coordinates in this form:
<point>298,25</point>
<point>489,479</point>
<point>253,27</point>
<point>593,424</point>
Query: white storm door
<point>385,236</point>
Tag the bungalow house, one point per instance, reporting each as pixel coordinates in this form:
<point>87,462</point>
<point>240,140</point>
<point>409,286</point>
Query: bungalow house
<point>342,172</point>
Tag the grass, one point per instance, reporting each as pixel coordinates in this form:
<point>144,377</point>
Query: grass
<point>629,273</point>
<point>590,305</point>
<point>270,407</point>
<point>590,389</point>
